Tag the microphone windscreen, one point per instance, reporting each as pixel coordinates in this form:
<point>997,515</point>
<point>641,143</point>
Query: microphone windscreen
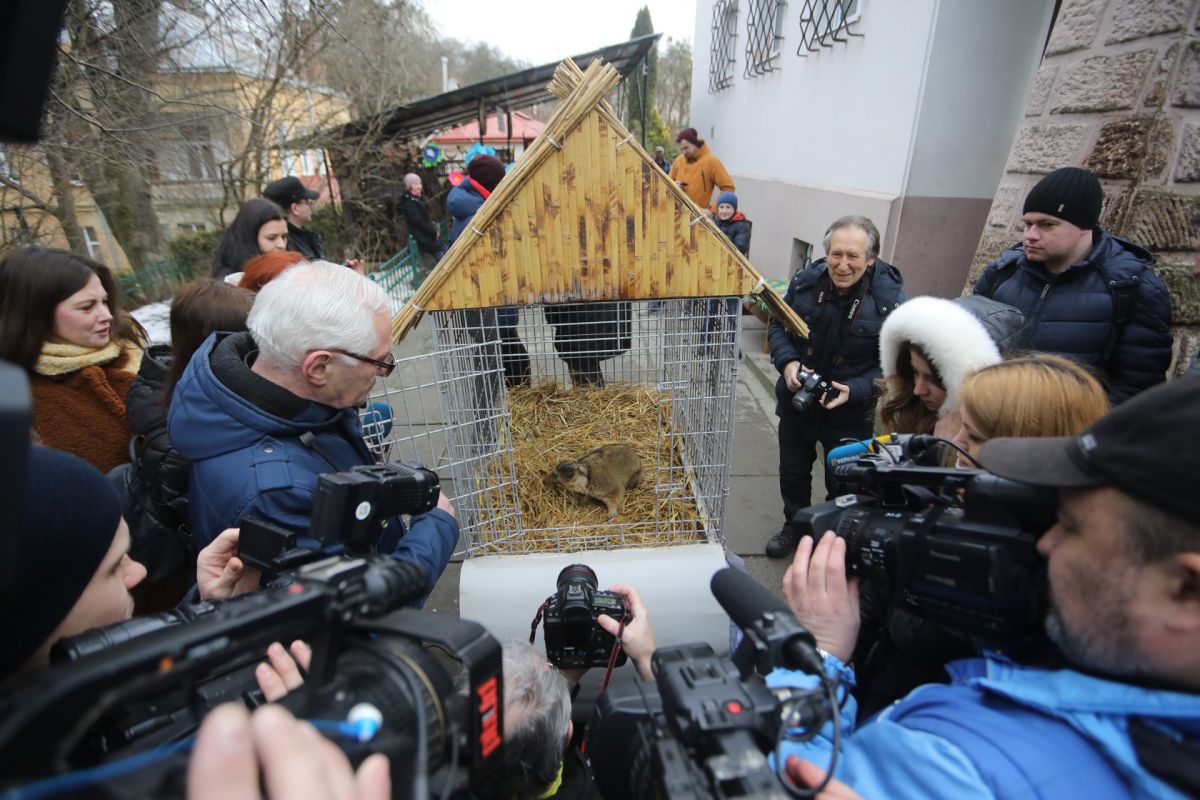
<point>744,599</point>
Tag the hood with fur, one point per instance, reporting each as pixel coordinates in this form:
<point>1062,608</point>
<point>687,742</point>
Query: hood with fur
<point>956,342</point>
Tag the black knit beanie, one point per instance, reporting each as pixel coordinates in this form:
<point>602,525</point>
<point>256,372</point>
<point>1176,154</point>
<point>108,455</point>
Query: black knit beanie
<point>68,522</point>
<point>488,170</point>
<point>1071,194</point>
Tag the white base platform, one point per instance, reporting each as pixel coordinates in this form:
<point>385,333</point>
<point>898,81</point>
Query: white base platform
<point>503,592</point>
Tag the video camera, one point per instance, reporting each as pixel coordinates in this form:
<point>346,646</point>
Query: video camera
<point>954,546</point>
<point>350,509</point>
<point>140,688</point>
<point>706,726</point>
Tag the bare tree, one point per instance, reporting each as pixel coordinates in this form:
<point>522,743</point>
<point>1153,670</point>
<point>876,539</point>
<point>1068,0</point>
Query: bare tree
<point>674,96</point>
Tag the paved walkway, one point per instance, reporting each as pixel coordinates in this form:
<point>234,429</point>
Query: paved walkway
<point>754,511</point>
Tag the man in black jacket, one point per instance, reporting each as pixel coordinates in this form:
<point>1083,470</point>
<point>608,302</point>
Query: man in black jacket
<point>1086,294</point>
<point>844,298</point>
<point>297,200</point>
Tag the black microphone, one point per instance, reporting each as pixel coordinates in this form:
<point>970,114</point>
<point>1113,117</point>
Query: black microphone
<point>770,627</point>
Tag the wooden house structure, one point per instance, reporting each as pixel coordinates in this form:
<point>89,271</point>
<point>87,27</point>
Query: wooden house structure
<point>588,301</point>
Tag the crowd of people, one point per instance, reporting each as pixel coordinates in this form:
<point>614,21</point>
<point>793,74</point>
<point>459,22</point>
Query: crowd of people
<point>1047,374</point>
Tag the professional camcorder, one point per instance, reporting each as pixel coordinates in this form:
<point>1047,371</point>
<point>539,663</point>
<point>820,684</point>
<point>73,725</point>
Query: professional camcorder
<point>130,695</point>
<point>813,389</point>
<point>573,637</point>
<point>706,726</point>
<point>954,546</point>
<point>350,509</point>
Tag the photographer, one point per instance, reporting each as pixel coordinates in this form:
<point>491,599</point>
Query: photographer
<point>1123,562</point>
<point>844,298</point>
<point>73,570</point>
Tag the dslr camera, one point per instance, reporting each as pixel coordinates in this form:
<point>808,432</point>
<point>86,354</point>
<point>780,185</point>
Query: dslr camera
<point>954,546</point>
<point>573,637</point>
<point>813,389</point>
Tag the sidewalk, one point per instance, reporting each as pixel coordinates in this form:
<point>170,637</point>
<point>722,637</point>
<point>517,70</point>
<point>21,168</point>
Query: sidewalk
<point>754,511</point>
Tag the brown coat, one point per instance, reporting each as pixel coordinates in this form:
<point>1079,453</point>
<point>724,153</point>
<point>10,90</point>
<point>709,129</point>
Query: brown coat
<point>83,412</point>
<point>701,175</point>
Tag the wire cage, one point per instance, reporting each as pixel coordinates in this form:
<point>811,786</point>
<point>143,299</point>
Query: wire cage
<point>503,395</point>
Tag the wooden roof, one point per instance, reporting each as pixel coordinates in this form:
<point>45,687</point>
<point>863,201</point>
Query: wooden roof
<point>586,214</point>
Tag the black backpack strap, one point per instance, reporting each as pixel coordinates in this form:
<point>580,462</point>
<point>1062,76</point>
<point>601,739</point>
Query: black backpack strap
<point>1002,274</point>
<point>1124,299</point>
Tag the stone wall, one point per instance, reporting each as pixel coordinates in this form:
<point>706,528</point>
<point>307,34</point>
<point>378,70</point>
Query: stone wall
<point>1118,92</point>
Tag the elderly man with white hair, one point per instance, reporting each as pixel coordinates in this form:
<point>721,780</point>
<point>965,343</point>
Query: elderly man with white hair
<point>261,414</point>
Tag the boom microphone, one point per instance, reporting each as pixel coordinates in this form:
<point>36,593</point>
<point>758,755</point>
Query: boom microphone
<point>770,627</point>
<point>896,447</point>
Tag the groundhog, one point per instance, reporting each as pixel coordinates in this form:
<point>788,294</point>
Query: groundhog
<point>604,473</point>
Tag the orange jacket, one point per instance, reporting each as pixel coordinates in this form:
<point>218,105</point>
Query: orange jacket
<point>701,175</point>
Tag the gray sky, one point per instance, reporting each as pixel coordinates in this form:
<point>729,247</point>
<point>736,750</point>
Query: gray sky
<point>540,31</point>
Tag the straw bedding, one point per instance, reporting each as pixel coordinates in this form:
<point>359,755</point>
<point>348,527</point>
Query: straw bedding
<point>552,423</point>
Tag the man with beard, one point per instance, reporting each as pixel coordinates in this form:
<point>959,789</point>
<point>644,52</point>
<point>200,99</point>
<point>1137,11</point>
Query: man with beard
<point>1119,715</point>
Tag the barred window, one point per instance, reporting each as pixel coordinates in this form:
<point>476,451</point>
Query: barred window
<point>724,32</point>
<point>764,32</point>
<point>826,22</point>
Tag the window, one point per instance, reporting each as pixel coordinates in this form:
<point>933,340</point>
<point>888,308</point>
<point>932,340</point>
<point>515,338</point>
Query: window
<point>93,243</point>
<point>764,32</point>
<point>724,32</point>
<point>186,153</point>
<point>824,23</point>
<point>190,227</point>
<point>801,256</point>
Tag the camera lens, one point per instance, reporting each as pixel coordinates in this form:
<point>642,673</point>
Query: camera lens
<point>577,573</point>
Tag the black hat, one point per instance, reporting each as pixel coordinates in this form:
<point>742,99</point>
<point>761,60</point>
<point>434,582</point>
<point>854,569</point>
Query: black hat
<point>286,191</point>
<point>1148,447</point>
<point>1071,194</point>
<point>68,522</point>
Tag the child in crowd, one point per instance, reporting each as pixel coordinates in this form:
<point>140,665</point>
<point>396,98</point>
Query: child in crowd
<point>733,223</point>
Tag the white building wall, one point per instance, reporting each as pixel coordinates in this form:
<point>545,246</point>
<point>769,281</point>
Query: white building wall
<point>909,124</point>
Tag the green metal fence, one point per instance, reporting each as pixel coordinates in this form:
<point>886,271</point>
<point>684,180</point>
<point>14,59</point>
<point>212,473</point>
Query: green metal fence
<point>402,272</point>
<point>154,282</point>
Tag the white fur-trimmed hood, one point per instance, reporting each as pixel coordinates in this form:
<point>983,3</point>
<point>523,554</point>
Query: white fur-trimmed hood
<point>956,342</point>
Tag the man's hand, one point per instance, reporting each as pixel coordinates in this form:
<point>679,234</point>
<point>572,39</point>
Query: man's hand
<point>280,673</point>
<point>220,574</point>
<point>791,375</point>
<point>296,761</point>
<point>818,593</point>
<point>444,504</point>
<point>808,775</point>
<point>638,636</point>
<point>842,397</point>
<point>357,265</point>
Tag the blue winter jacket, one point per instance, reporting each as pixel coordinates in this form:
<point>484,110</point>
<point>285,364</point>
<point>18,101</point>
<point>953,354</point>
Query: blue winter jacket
<point>1002,730</point>
<point>1072,313</point>
<point>461,204</point>
<point>249,462</point>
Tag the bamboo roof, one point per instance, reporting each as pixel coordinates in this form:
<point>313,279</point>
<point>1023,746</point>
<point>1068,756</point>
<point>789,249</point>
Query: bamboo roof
<point>586,214</point>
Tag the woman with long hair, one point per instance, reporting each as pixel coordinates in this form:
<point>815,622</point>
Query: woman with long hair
<point>259,227</point>
<point>1036,395</point>
<point>927,347</point>
<point>61,320</point>
<point>157,482</point>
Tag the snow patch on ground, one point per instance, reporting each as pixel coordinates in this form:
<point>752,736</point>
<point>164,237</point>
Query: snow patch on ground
<point>156,319</point>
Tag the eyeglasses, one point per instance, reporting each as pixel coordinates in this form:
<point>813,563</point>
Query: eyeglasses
<point>387,366</point>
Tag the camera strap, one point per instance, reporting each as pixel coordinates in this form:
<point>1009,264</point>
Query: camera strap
<point>1169,758</point>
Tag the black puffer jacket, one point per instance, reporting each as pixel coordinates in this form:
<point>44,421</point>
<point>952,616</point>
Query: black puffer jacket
<point>847,352</point>
<point>1072,313</point>
<point>420,223</point>
<point>158,466</point>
